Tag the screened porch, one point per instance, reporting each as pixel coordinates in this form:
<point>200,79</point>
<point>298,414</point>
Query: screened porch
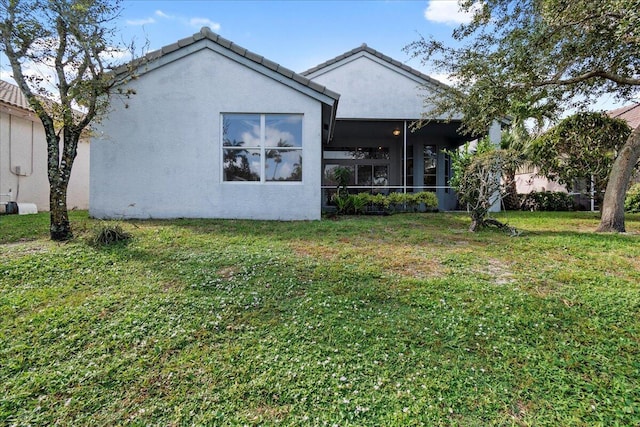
<point>386,156</point>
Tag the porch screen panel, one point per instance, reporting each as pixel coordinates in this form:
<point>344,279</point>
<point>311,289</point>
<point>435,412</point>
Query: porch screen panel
<point>430,166</point>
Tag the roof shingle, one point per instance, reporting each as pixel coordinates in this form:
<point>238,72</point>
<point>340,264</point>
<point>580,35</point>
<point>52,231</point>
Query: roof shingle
<point>12,95</point>
<point>630,113</point>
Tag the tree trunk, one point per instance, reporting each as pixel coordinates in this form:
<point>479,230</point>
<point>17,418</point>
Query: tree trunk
<point>60,228</point>
<point>59,170</point>
<point>511,200</point>
<point>612,219</point>
<point>477,221</point>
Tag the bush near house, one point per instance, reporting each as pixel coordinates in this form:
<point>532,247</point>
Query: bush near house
<point>364,203</point>
<point>632,201</point>
<point>547,201</point>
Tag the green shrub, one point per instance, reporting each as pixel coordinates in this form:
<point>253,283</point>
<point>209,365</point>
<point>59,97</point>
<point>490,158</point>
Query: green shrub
<point>429,199</point>
<point>547,201</point>
<point>632,201</point>
<point>379,201</point>
<point>397,198</point>
<point>359,202</point>
<point>348,204</point>
<point>344,203</point>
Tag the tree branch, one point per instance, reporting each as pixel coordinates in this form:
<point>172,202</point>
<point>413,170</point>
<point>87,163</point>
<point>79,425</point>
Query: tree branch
<point>556,81</point>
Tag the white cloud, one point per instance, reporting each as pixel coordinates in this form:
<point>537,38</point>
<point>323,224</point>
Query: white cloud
<point>443,78</point>
<point>273,136</point>
<point>204,22</point>
<point>7,76</point>
<point>139,22</point>
<point>196,22</point>
<point>447,12</point>
<point>116,55</point>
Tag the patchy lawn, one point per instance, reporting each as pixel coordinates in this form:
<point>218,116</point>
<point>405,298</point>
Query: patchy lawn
<point>401,320</point>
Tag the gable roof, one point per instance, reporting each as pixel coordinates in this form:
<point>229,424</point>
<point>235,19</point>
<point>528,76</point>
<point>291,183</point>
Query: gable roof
<point>207,39</point>
<point>12,95</point>
<point>363,48</point>
<point>630,113</point>
<point>241,54</point>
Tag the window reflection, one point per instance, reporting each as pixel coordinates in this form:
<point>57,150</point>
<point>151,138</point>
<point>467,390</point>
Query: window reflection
<point>357,153</point>
<point>241,130</point>
<point>283,129</point>
<point>241,165</point>
<point>430,165</point>
<point>284,165</point>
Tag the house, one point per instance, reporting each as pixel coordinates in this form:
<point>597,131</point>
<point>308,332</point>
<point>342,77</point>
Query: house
<point>380,99</point>
<point>23,156</point>
<point>217,131</point>
<point>528,180</point>
<point>630,113</point>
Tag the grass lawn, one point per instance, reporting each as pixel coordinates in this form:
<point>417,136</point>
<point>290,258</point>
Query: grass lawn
<point>380,321</point>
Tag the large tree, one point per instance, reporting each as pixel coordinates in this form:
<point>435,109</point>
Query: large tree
<point>550,54</point>
<point>71,42</point>
<point>580,150</point>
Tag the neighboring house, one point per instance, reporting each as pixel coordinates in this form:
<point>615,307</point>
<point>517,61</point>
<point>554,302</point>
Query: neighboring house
<point>217,131</point>
<point>23,156</point>
<point>630,113</point>
<point>528,180</point>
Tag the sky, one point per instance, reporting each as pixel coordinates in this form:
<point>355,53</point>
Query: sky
<point>296,34</point>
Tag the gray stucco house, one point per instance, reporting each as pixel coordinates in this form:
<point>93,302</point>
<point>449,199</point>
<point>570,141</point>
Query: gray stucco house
<point>216,131</point>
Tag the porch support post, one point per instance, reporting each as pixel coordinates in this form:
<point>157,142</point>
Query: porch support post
<point>404,153</point>
<point>495,135</point>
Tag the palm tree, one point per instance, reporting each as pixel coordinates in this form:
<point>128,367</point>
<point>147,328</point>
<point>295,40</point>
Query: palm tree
<point>517,140</point>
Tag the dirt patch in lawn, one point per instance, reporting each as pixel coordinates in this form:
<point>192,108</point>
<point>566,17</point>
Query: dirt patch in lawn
<point>405,261</point>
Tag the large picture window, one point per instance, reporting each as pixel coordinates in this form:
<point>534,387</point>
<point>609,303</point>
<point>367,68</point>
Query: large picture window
<point>262,147</point>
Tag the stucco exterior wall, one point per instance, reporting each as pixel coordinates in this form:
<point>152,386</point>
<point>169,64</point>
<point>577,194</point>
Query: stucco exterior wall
<point>373,89</point>
<point>23,163</point>
<point>161,156</point>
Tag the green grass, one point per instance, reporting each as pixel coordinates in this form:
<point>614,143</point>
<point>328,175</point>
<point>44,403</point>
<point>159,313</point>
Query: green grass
<point>381,321</point>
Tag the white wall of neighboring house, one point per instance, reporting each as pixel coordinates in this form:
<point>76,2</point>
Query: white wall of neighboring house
<point>530,182</point>
<point>23,162</point>
<point>160,155</point>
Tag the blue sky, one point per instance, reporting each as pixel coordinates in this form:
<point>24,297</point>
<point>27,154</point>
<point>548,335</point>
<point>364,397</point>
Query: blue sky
<point>296,34</point>
<point>303,34</point>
